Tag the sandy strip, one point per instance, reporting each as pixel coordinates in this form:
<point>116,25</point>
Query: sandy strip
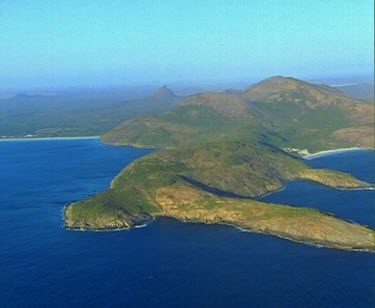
<point>329,152</point>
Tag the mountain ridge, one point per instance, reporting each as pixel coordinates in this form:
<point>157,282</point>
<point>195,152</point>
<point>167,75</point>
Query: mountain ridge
<point>296,113</point>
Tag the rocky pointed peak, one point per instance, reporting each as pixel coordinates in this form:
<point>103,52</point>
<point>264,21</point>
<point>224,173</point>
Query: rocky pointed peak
<point>164,91</point>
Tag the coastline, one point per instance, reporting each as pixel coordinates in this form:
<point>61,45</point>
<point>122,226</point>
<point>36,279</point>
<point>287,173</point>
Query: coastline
<point>326,245</point>
<point>330,152</point>
<point>49,138</point>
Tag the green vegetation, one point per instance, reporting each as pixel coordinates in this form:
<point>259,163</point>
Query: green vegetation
<point>290,112</point>
<point>223,150</point>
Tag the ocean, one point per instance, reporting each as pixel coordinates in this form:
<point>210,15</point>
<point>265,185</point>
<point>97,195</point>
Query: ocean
<point>167,263</point>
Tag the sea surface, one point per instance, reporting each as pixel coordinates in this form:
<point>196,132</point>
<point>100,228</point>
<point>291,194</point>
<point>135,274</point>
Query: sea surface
<point>167,262</point>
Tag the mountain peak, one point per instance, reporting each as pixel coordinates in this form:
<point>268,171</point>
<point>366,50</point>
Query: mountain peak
<point>164,91</point>
<point>280,82</point>
<point>287,89</point>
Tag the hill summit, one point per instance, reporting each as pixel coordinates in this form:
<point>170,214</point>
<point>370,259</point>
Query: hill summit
<point>287,89</point>
<point>163,92</point>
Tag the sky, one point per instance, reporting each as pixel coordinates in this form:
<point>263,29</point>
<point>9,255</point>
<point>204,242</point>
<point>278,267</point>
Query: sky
<point>99,43</point>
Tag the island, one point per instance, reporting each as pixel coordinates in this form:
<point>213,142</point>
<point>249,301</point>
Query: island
<point>218,153</point>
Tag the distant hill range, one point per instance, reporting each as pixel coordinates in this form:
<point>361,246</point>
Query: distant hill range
<point>361,90</point>
<point>302,114</point>
<point>75,113</point>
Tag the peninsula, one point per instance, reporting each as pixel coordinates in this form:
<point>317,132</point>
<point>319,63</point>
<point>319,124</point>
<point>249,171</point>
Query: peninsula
<point>220,152</point>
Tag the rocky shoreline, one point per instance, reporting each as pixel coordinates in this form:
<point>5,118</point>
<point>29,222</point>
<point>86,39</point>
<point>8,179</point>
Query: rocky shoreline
<point>301,225</point>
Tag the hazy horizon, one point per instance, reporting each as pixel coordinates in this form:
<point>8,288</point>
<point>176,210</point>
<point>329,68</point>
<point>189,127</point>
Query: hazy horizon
<point>144,89</point>
<point>93,44</point>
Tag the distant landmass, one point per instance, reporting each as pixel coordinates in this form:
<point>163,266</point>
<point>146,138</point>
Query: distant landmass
<point>75,114</point>
<point>361,90</point>
<point>164,92</point>
<point>219,152</point>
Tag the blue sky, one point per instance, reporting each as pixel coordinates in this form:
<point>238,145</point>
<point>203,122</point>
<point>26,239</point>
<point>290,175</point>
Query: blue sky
<point>66,43</point>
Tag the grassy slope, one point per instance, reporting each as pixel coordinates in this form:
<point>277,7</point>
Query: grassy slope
<point>225,149</point>
<point>160,184</point>
<point>299,114</point>
<point>316,117</point>
<point>198,118</point>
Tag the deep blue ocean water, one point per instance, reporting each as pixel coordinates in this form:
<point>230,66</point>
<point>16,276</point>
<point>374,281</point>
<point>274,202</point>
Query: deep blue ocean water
<point>168,262</point>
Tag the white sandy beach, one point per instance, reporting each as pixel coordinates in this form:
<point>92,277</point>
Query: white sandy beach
<point>329,152</point>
